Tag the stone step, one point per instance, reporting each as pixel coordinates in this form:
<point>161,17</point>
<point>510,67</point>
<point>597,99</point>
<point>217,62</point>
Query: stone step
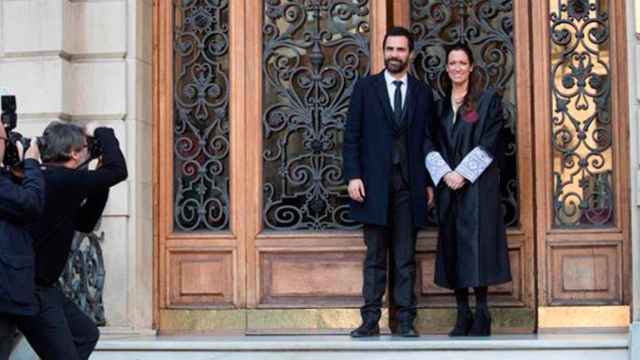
<point>520,347</point>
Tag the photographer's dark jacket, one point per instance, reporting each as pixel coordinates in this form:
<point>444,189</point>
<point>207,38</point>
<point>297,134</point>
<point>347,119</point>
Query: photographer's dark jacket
<point>66,210</point>
<point>20,204</point>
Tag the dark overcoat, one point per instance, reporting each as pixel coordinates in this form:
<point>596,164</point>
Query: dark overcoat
<point>20,204</point>
<point>367,147</point>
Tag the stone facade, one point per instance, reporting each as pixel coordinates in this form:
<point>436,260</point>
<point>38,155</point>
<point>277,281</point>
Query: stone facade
<point>83,60</point>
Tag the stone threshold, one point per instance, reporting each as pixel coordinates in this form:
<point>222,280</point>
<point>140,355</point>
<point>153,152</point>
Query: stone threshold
<point>344,343</point>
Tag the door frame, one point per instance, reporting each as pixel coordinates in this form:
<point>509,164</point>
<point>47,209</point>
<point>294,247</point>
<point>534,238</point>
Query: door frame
<point>245,243</point>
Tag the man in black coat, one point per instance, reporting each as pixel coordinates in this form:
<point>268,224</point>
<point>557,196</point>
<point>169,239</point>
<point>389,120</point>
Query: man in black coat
<point>21,202</point>
<point>387,181</point>
<point>75,199</point>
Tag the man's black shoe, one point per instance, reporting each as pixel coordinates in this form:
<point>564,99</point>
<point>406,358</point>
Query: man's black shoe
<point>406,330</point>
<point>366,330</point>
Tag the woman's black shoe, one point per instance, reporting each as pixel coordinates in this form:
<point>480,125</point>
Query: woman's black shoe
<point>482,323</point>
<point>463,323</point>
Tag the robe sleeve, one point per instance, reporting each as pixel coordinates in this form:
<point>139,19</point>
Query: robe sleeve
<point>478,160</point>
<point>474,164</point>
<point>437,166</point>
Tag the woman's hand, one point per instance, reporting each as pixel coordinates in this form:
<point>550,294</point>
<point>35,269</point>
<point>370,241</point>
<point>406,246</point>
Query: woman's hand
<point>454,180</point>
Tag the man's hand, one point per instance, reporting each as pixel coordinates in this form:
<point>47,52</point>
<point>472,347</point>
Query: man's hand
<point>454,180</point>
<point>430,197</point>
<point>33,152</point>
<point>90,128</point>
<point>356,190</point>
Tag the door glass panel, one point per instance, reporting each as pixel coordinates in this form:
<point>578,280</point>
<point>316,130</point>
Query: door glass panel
<point>581,123</point>
<point>201,115</point>
<point>313,52</point>
<point>487,28</point>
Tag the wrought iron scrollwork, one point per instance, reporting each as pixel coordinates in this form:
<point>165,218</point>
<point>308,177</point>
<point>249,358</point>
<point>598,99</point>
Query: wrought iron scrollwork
<point>487,28</point>
<point>83,278</point>
<point>201,116</point>
<point>313,52</point>
<point>581,125</point>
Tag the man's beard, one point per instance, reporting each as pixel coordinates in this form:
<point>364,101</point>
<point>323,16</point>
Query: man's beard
<point>395,67</point>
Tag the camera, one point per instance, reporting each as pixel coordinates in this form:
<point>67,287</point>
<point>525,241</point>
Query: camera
<point>10,121</point>
<point>94,146</point>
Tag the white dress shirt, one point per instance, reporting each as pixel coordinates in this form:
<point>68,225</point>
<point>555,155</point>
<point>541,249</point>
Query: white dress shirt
<point>391,88</point>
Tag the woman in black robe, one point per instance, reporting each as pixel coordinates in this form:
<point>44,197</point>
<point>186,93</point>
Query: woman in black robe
<point>463,153</point>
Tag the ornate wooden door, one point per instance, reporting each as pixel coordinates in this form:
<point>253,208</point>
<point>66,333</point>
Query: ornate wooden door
<point>252,228</point>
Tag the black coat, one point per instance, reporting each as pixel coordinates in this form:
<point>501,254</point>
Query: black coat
<point>75,201</point>
<point>367,147</point>
<point>472,244</point>
<point>20,204</point>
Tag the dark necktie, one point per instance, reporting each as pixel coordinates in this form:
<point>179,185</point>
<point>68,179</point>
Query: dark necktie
<point>397,103</point>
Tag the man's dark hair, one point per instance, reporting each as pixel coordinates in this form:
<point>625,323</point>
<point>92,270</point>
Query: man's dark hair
<point>60,139</point>
<point>398,31</point>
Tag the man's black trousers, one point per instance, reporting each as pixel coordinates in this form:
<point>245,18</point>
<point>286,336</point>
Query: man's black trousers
<point>398,236</point>
<point>59,330</point>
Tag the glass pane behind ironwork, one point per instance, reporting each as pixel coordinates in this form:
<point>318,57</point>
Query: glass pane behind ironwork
<point>201,115</point>
<point>313,52</point>
<point>581,120</point>
<point>487,28</point>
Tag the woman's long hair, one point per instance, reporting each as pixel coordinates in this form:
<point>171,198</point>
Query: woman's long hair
<point>475,85</point>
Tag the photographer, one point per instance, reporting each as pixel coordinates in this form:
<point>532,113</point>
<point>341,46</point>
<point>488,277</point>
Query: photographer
<point>75,199</point>
<point>21,202</point>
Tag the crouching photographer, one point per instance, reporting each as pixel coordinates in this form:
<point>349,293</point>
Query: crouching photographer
<point>75,199</point>
<point>21,202</point>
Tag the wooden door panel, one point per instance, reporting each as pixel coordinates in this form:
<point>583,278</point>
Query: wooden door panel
<point>585,273</point>
<point>582,186</point>
<point>201,278</point>
<point>310,278</point>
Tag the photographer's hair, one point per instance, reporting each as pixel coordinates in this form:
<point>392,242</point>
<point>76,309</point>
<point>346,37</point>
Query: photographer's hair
<point>398,31</point>
<point>475,85</point>
<point>60,139</point>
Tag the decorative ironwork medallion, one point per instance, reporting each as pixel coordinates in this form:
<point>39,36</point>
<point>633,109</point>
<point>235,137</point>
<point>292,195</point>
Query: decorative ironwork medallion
<point>83,278</point>
<point>581,100</point>
<point>487,28</point>
<point>313,52</point>
<point>201,115</point>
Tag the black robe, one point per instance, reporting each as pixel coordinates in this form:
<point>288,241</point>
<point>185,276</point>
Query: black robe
<point>472,246</point>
